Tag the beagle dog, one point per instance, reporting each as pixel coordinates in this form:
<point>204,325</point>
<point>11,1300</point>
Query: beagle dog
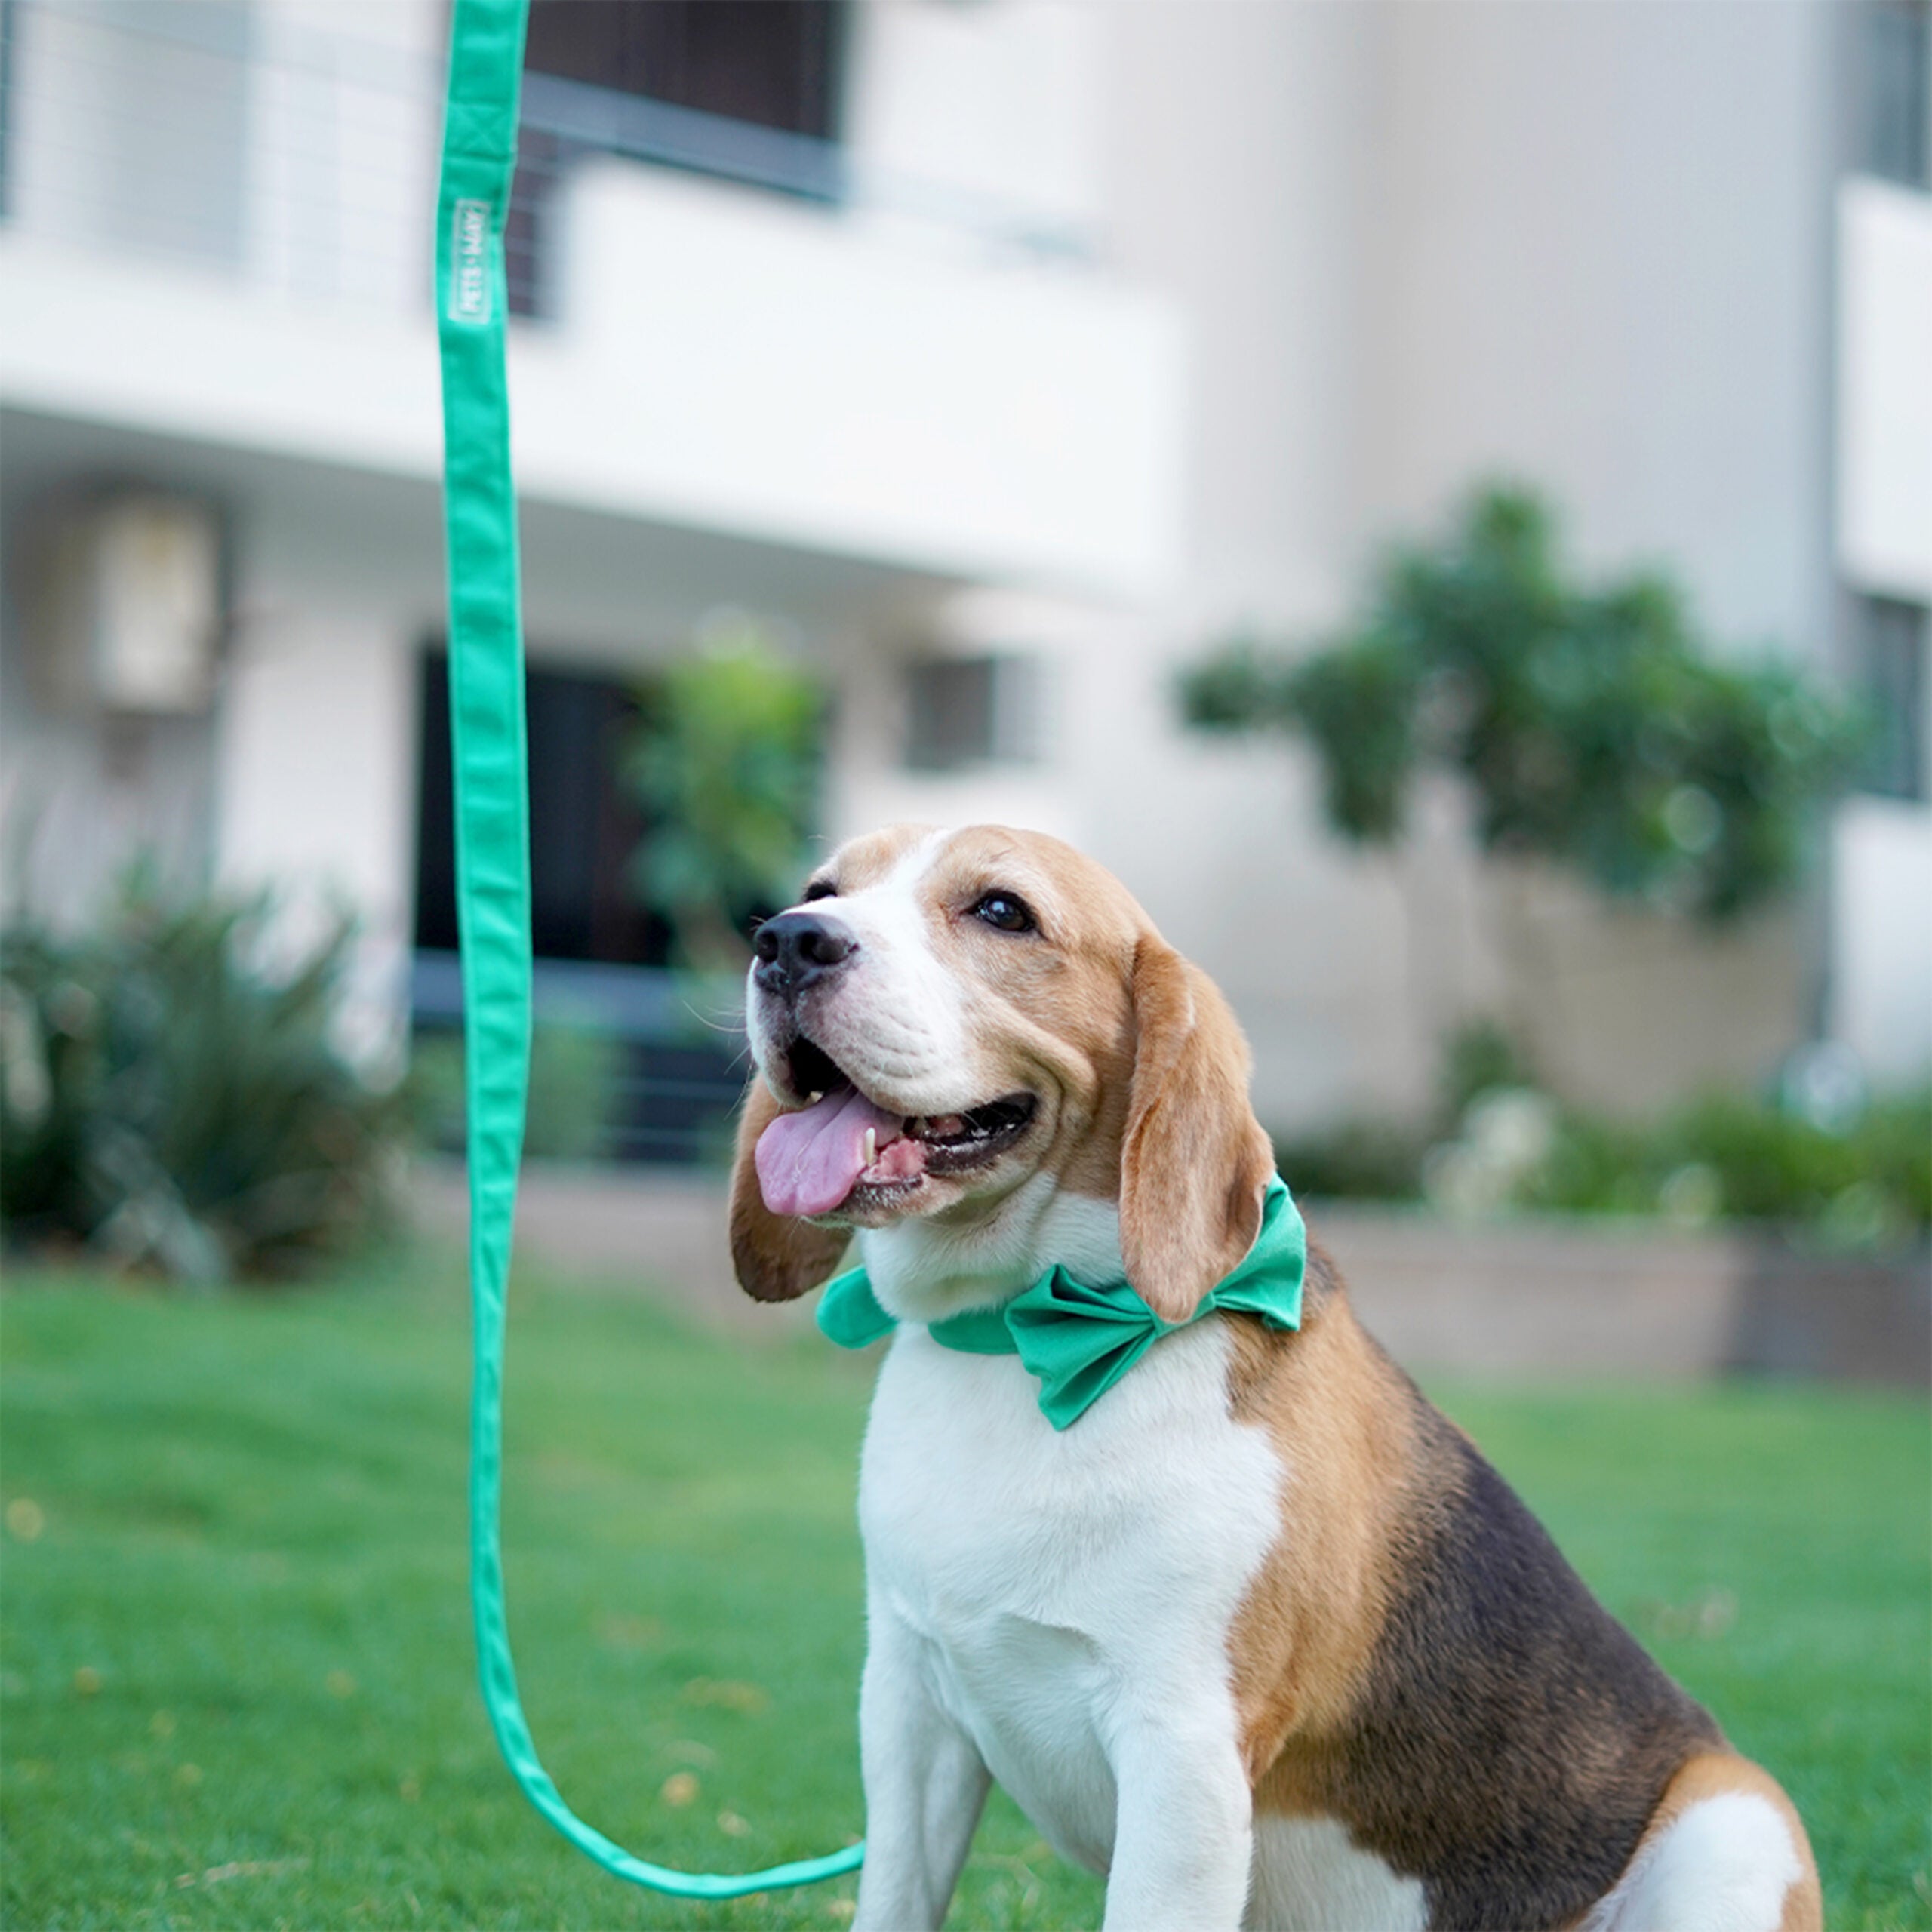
<point>1260,1637</point>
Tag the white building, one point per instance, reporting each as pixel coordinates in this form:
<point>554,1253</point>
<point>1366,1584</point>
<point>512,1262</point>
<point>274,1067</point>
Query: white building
<point>1053,337</point>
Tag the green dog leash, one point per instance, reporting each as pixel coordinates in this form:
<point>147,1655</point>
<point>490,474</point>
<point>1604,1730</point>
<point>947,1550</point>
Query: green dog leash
<point>493,851</point>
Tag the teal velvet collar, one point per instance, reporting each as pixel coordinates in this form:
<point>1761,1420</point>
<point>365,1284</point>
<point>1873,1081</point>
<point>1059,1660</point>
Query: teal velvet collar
<point>1079,1341</point>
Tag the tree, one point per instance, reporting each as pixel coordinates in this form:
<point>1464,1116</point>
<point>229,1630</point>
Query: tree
<point>724,760</point>
<point>1592,728</point>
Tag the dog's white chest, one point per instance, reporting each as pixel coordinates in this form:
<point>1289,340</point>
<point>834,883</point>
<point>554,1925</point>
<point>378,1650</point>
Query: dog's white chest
<point>1069,1591</point>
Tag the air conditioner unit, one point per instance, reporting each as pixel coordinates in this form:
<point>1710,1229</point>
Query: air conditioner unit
<point>126,613</point>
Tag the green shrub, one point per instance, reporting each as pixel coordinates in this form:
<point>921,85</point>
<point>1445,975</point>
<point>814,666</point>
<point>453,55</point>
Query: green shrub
<point>1359,1160</point>
<point>1722,1158</point>
<point>574,1077</point>
<point>167,1100</point>
<point>1868,1186</point>
<point>1477,1059</point>
<point>724,763</point>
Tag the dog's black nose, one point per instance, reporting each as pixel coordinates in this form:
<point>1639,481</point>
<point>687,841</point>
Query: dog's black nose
<point>797,947</point>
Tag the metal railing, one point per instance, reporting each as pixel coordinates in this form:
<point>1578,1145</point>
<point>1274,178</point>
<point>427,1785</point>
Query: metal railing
<point>215,136</point>
<point>668,1077</point>
<point>210,133</point>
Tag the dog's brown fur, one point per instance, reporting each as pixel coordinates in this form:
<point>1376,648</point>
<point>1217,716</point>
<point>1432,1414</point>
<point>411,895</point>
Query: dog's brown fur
<point>1416,1659</point>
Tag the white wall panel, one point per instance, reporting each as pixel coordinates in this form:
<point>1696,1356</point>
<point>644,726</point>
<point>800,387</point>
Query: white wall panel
<point>1884,454</point>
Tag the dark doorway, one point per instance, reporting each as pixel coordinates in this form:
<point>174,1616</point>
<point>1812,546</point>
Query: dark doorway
<point>667,1080</point>
<point>583,827</point>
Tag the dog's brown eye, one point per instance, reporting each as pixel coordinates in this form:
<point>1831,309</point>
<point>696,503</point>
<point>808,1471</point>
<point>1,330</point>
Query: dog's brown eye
<point>820,888</point>
<point>1008,911</point>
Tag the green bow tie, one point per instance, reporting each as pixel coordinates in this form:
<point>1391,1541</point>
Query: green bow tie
<point>1079,1341</point>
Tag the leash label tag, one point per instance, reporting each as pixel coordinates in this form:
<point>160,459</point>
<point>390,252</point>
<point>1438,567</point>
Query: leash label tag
<point>469,263</point>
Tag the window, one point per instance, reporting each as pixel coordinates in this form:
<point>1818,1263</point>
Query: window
<point>1893,645</point>
<point>747,89</point>
<point>771,62</point>
<point>1895,90</point>
<point>961,711</point>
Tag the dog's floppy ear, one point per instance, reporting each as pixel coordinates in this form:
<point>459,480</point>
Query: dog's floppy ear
<point>777,1257</point>
<point>1194,1162</point>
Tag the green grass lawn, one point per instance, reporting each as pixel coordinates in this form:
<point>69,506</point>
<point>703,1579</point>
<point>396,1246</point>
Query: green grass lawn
<point>235,1672</point>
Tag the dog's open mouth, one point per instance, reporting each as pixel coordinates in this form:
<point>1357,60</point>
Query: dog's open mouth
<point>812,1161</point>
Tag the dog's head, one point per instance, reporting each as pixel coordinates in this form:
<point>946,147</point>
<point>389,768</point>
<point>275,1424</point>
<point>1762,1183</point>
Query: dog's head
<point>947,1020</point>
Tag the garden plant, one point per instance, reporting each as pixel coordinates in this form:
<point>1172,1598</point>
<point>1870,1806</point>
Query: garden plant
<point>174,1094</point>
<point>1595,729</point>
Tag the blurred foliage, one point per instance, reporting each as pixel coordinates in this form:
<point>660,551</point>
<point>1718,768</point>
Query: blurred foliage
<point>1500,1144</point>
<point>171,1101</point>
<point>1868,1186</point>
<point>1383,1160</point>
<point>1592,728</point>
<point>725,761</point>
<point>574,1072</point>
<point>1364,1160</point>
<point>1477,1059</point>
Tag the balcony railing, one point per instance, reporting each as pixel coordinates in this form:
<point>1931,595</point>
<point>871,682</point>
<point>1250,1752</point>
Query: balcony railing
<point>675,1075</point>
<point>302,161</point>
<point>216,136</point>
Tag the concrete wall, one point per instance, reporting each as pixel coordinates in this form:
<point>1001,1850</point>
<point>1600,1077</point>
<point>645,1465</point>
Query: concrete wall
<point>316,764</point>
<point>1600,247</point>
<point>991,109</point>
<point>1234,147</point>
<point>78,803</point>
<point>1414,247</point>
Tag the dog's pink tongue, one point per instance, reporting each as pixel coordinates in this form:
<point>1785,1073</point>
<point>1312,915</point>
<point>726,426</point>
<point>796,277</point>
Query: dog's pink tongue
<point>808,1161</point>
